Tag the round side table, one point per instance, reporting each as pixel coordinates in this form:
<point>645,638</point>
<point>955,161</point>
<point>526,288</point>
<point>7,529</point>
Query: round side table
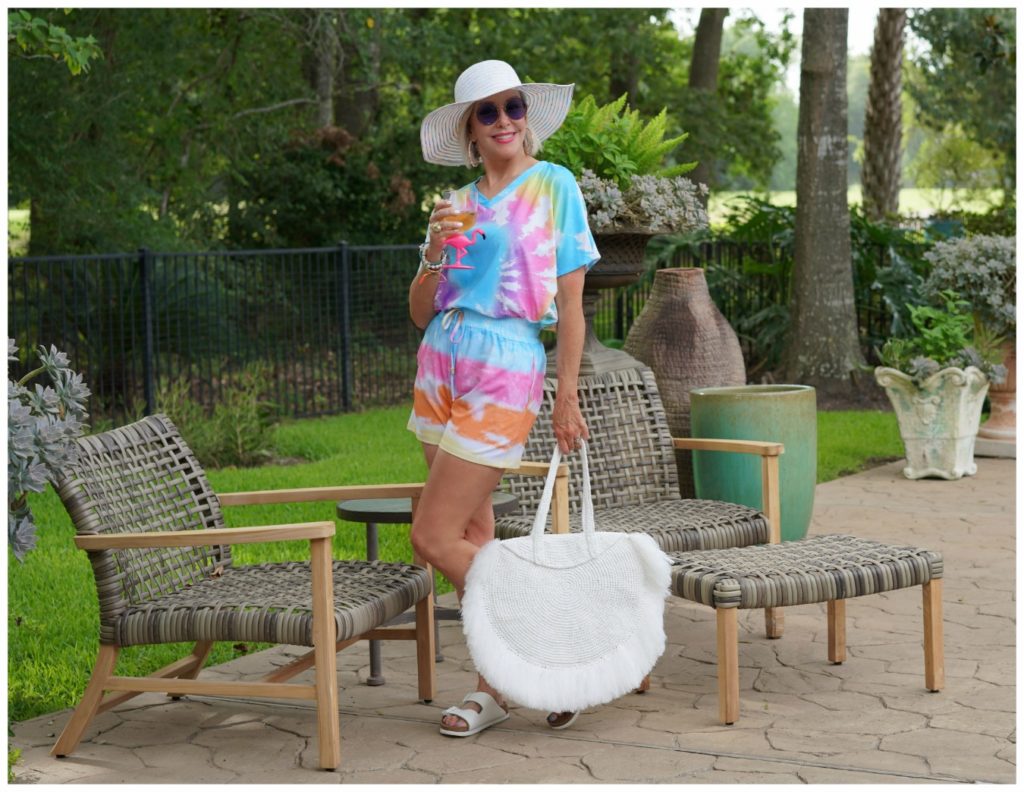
<point>398,511</point>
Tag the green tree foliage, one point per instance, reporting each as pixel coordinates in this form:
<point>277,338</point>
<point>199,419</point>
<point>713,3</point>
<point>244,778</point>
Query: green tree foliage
<point>133,152</point>
<point>967,75</point>
<point>204,127</point>
<point>35,37</point>
<point>736,122</point>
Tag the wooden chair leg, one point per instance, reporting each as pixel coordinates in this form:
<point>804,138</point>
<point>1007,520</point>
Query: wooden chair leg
<point>728,666</point>
<point>836,631</point>
<point>426,637</point>
<point>774,622</point>
<point>199,654</point>
<point>934,662</point>
<point>86,709</point>
<point>324,638</point>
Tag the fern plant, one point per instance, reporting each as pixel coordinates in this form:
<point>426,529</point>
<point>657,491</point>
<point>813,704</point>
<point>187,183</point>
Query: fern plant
<point>618,160</point>
<point>614,143</point>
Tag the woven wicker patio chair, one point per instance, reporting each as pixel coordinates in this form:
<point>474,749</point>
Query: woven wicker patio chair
<point>161,557</point>
<point>634,478</point>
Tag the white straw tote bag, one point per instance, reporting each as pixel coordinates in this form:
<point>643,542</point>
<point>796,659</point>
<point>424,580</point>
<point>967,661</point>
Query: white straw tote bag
<point>561,622</point>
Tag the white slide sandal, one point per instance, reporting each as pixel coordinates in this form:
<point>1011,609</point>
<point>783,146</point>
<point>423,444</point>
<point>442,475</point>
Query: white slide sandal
<point>490,714</point>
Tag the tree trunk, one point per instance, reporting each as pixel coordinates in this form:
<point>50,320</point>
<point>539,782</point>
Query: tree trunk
<point>883,130</point>
<point>326,50</point>
<point>821,347</point>
<point>625,68</point>
<point>707,49</point>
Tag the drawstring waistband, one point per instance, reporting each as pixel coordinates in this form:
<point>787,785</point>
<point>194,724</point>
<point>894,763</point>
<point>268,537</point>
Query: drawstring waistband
<point>508,326</point>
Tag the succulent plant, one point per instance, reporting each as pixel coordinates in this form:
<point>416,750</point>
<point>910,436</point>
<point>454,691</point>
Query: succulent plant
<point>42,424</point>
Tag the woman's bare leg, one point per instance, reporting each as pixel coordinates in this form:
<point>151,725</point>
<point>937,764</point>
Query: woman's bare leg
<point>453,520</point>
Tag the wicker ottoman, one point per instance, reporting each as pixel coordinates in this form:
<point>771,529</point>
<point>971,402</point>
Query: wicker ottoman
<point>828,569</point>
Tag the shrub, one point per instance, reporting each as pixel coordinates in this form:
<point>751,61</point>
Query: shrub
<point>237,431</point>
<point>982,270</point>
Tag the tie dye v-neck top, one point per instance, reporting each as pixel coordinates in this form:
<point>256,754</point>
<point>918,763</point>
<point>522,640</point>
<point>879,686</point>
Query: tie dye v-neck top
<point>534,231</point>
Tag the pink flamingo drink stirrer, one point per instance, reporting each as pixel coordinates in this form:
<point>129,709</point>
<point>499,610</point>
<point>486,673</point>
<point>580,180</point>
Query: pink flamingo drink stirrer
<point>465,205</point>
<point>460,242</point>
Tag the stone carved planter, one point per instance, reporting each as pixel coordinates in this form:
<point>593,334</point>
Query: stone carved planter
<point>689,344</point>
<point>621,263</point>
<point>938,419</point>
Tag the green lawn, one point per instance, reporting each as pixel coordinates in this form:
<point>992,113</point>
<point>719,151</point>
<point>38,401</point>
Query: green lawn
<point>52,611</point>
<point>920,201</point>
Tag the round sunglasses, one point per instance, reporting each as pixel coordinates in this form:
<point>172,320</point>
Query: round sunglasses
<point>487,112</point>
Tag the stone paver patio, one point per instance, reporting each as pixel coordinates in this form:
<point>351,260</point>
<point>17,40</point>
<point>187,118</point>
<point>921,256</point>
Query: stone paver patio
<point>802,720</point>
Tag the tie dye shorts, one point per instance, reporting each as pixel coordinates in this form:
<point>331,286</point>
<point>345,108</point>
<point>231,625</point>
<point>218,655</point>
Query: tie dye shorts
<point>479,385</point>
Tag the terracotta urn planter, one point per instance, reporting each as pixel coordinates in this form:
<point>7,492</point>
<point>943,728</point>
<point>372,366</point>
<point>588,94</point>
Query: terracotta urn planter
<point>688,343</point>
<point>1002,422</point>
<point>938,419</point>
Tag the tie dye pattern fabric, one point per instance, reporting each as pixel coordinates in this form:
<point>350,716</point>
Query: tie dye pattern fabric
<point>480,372</point>
<point>525,237</point>
<point>479,385</point>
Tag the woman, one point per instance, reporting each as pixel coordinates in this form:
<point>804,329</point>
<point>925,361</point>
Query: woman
<point>480,374</point>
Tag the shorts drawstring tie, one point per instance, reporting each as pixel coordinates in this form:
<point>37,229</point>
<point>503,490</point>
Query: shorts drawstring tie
<point>452,321</point>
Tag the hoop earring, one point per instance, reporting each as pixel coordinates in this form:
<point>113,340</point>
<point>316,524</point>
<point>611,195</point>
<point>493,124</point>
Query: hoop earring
<point>473,154</point>
<point>529,142</point>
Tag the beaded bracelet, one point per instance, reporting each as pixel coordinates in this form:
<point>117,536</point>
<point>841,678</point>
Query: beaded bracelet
<point>431,267</point>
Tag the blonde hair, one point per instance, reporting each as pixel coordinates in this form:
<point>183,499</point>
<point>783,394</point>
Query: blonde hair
<point>470,152</point>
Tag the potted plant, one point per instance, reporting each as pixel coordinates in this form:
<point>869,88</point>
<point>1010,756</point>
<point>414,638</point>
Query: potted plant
<point>631,195</point>
<point>983,271</point>
<point>936,380</point>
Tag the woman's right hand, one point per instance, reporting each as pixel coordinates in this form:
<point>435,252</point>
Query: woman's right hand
<point>440,228</point>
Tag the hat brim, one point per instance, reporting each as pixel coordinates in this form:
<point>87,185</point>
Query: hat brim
<point>441,137</point>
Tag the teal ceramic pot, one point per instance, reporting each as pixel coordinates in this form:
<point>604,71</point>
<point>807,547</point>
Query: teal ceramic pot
<point>781,413</point>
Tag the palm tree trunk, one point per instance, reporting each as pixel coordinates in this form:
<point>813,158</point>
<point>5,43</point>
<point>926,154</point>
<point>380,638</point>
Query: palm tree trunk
<point>883,129</point>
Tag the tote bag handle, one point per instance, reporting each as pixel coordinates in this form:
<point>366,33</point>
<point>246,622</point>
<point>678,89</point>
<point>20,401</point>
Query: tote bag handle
<point>587,510</point>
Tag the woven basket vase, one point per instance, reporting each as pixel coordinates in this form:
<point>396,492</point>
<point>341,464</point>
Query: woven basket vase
<point>688,344</point>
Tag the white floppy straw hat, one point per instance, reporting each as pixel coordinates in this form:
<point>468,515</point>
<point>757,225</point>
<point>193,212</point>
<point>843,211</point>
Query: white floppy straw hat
<point>440,133</point>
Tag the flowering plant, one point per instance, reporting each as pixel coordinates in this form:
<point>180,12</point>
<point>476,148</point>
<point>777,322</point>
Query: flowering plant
<point>651,204</point>
<point>42,424</point>
<point>982,269</point>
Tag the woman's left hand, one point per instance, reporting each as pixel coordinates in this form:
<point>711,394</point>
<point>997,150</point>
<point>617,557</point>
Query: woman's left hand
<point>568,423</point>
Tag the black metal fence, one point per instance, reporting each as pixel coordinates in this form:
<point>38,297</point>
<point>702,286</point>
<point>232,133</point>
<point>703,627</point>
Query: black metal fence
<point>329,326</point>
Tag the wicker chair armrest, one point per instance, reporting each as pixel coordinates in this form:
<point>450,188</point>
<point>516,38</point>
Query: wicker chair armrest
<point>211,536</point>
<point>758,447</point>
<point>313,494</point>
<point>537,469</point>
